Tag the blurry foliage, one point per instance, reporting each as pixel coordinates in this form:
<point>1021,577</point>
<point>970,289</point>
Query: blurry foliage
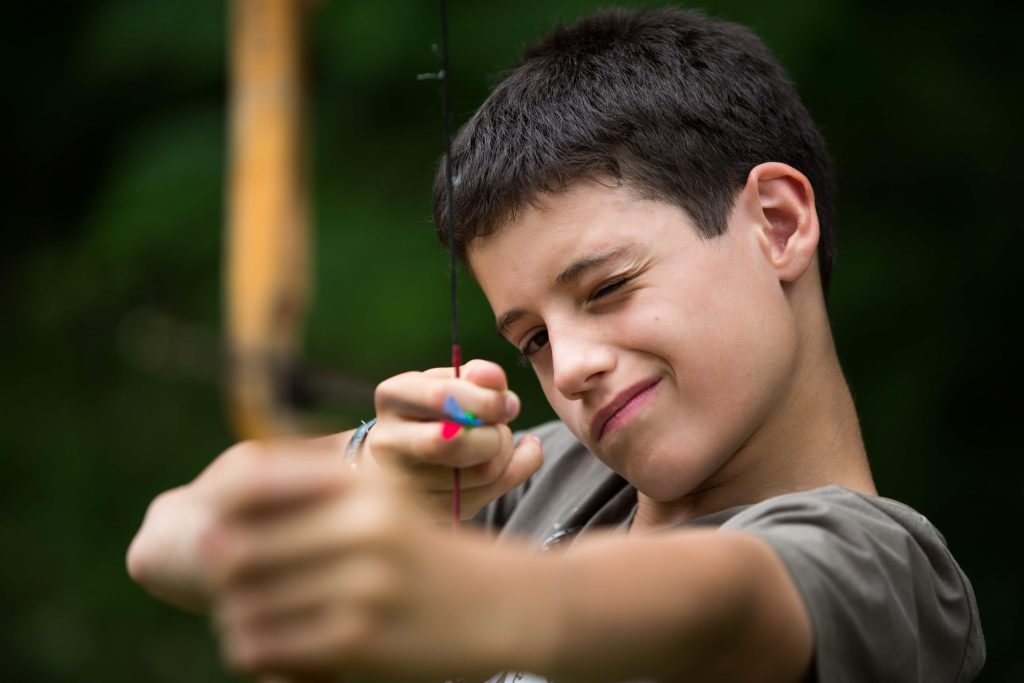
<point>114,113</point>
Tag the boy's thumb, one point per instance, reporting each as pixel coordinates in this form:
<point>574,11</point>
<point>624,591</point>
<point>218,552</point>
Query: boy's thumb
<point>527,457</point>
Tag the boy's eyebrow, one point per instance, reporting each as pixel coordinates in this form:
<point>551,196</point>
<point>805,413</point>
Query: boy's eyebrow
<point>567,276</point>
<point>508,320</point>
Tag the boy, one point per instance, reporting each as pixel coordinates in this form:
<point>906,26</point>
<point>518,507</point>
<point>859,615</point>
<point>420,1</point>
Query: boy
<point>648,208</point>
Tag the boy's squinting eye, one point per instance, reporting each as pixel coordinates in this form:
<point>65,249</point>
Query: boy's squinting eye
<point>608,287</point>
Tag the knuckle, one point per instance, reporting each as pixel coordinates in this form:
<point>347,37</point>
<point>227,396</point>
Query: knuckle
<point>222,554</point>
<point>381,439</point>
<point>436,393</point>
<point>239,456</point>
<point>383,393</point>
<point>389,448</point>
<point>436,450</point>
<point>510,478</point>
<point>391,388</point>
<point>377,444</point>
<point>253,482</point>
<point>499,442</point>
<point>505,438</point>
<point>496,404</point>
<point>484,363</point>
<point>210,545</point>
<point>241,449</point>
<point>470,448</point>
<point>488,472</point>
<point>233,562</point>
<point>520,469</point>
<point>497,468</point>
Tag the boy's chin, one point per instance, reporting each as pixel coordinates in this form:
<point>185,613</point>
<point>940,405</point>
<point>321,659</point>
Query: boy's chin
<point>663,482</point>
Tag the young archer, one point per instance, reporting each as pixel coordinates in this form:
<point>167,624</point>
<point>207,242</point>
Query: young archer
<point>648,209</point>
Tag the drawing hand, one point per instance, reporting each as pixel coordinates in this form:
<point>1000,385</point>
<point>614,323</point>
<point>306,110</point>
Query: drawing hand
<point>410,436</point>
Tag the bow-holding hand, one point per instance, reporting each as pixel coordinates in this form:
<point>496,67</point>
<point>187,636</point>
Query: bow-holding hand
<point>317,570</point>
<point>406,442</point>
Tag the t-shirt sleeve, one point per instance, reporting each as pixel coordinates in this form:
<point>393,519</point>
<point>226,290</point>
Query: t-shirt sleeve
<point>886,598</point>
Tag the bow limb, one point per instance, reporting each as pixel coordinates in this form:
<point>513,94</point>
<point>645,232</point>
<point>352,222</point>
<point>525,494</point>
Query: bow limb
<point>267,287</point>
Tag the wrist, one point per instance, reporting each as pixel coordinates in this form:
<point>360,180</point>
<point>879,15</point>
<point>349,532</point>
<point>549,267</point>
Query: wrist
<point>355,443</point>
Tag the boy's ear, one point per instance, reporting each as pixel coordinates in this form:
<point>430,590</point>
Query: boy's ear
<point>783,203</point>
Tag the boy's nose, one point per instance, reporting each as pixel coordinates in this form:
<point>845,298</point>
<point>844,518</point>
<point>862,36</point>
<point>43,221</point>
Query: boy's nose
<point>579,363</point>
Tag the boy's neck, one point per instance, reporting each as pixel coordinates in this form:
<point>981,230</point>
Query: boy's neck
<point>812,440</point>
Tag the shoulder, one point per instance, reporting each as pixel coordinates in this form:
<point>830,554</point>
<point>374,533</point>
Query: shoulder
<point>837,511</point>
<point>887,599</point>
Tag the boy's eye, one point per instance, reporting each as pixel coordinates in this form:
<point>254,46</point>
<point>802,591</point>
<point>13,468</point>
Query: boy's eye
<point>608,287</point>
<point>535,344</point>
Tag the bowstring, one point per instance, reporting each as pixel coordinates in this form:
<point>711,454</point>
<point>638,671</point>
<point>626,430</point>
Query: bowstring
<point>446,115</point>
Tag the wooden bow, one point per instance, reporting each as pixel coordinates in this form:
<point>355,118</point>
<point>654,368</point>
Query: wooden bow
<point>267,287</point>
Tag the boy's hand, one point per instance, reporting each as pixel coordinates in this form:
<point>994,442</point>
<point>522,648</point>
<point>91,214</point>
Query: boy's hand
<point>165,555</point>
<point>408,436</point>
<point>318,571</point>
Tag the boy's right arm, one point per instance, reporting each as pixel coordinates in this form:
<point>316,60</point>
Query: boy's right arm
<point>165,555</point>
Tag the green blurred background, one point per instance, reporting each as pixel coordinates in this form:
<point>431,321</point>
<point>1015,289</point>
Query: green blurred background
<point>115,144</point>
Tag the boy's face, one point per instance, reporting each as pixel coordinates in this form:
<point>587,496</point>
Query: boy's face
<point>663,352</point>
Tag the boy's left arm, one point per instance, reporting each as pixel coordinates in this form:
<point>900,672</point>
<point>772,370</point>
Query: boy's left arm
<point>689,605</point>
<point>350,579</point>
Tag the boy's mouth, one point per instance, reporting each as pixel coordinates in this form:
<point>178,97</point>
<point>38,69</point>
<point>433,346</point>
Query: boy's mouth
<point>620,408</point>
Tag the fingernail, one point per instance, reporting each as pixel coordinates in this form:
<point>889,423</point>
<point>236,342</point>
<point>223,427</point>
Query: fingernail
<point>511,405</point>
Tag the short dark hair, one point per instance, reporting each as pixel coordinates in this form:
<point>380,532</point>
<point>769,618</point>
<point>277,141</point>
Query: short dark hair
<point>677,105</point>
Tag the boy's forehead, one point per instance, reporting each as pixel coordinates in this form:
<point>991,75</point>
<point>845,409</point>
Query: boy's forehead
<point>561,235</point>
<point>551,230</point>
<point>573,213</point>
<point>590,214</point>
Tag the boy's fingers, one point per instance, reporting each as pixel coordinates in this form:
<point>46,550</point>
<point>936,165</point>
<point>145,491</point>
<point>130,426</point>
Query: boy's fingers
<point>347,562</point>
<point>252,549</point>
<point>366,580</point>
<point>430,478</point>
<point>526,459</point>
<point>483,373</point>
<point>273,478</point>
<point>404,443</point>
<point>412,396</point>
<point>312,643</point>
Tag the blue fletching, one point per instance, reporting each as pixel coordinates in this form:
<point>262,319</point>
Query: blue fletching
<point>453,410</point>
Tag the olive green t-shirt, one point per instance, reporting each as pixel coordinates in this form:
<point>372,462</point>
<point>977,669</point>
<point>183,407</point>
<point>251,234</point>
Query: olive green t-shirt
<point>886,598</point>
